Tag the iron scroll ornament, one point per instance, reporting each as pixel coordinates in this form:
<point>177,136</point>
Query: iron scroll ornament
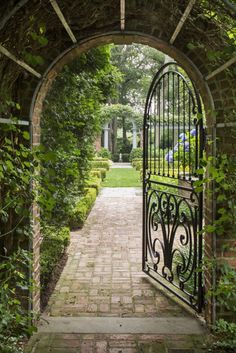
<point>172,254</point>
<point>172,210</point>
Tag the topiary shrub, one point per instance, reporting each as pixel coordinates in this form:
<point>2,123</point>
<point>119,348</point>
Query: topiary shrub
<point>139,165</point>
<point>55,240</point>
<point>96,173</point>
<point>104,153</point>
<point>100,164</point>
<point>100,159</point>
<point>101,171</point>
<point>82,208</point>
<point>115,157</point>
<point>135,162</point>
<point>94,183</point>
<point>125,157</point>
<point>136,153</point>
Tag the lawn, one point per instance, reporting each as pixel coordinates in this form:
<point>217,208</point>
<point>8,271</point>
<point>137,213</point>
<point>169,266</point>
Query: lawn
<point>122,177</point>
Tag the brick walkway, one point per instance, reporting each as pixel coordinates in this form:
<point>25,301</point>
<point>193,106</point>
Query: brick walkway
<point>126,343</point>
<point>103,274</point>
<point>103,278</point>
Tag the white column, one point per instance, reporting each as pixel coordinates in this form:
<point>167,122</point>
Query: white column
<point>106,136</point>
<point>134,135</point>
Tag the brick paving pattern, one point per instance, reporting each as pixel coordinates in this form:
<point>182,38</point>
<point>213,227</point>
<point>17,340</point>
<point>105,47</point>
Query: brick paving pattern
<point>103,274</point>
<point>103,278</point>
<point>88,343</point>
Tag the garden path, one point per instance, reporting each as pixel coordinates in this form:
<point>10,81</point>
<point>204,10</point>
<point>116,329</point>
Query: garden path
<point>102,301</point>
<point>103,274</point>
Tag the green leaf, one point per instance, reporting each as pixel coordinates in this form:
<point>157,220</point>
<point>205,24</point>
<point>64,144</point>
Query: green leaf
<point>42,40</point>
<point>26,135</point>
<point>191,46</point>
<point>210,228</point>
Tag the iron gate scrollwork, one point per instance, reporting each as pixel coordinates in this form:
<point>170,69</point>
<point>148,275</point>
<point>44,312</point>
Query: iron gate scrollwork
<point>172,209</point>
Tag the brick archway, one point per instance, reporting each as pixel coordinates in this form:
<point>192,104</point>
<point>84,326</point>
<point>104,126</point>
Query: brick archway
<point>116,38</point>
<point>182,29</point>
<point>69,55</point>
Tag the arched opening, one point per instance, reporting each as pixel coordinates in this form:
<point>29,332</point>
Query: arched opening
<point>199,32</point>
<point>116,38</point>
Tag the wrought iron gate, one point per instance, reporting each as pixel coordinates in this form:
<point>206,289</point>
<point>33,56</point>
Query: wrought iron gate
<point>172,208</point>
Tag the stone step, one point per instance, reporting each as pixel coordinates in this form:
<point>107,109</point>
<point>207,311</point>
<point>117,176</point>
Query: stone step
<point>116,325</point>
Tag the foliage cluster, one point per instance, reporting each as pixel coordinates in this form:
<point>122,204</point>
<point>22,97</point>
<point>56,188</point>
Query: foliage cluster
<point>125,157</point>
<point>100,164</point>
<point>104,153</point>
<point>70,124</point>
<point>16,164</point>
<point>55,240</point>
<point>115,157</point>
<point>72,107</point>
<point>15,288</point>
<point>136,153</point>
<point>94,182</point>
<point>83,207</point>
<point>137,164</point>
<point>99,173</point>
<point>16,197</point>
<point>220,173</point>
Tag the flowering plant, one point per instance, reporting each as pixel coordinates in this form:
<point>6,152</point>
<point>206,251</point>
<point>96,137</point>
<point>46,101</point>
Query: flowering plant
<point>184,150</point>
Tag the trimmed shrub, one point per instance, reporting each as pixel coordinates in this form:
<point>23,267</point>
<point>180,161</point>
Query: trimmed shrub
<point>100,164</point>
<point>94,183</point>
<point>104,153</point>
<point>115,157</point>
<point>101,171</point>
<point>136,161</point>
<point>55,240</point>
<point>100,159</point>
<point>139,165</point>
<point>96,173</point>
<point>82,208</point>
<point>125,157</point>
<point>136,153</point>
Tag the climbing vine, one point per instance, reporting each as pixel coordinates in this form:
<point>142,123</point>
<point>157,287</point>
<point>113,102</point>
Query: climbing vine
<point>16,196</point>
<point>220,176</point>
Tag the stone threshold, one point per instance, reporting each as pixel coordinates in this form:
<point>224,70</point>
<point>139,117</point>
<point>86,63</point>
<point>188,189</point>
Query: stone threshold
<point>115,325</point>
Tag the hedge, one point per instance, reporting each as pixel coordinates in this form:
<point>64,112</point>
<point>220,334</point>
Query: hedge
<point>101,171</point>
<point>104,153</point>
<point>136,153</point>
<point>94,183</point>
<point>136,162</point>
<point>125,157</point>
<point>82,208</point>
<point>115,157</point>
<point>55,240</point>
<point>95,173</point>
<point>100,164</point>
